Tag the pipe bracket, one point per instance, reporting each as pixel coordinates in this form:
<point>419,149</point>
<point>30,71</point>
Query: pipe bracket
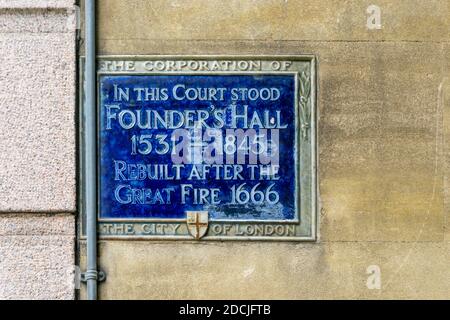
<point>99,276</point>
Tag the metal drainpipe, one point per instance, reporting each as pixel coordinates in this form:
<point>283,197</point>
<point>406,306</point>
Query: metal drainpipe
<point>90,155</point>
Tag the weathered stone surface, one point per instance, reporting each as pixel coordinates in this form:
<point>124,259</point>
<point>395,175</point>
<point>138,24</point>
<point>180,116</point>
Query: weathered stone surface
<point>284,271</point>
<point>37,108</point>
<point>37,256</point>
<point>380,142</point>
<point>272,20</point>
<point>383,151</point>
<point>37,4</point>
<point>38,122</point>
<point>17,21</point>
<point>380,133</point>
<point>38,160</point>
<point>19,224</point>
<point>445,101</point>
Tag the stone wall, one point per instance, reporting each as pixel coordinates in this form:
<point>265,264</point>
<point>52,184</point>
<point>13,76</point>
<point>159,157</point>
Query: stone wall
<point>384,127</point>
<point>37,149</point>
<point>382,105</point>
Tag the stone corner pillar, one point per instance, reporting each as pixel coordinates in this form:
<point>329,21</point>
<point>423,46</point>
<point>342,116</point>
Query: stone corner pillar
<point>38,149</point>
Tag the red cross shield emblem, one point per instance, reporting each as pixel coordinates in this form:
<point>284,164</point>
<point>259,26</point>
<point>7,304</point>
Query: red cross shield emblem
<point>197,223</point>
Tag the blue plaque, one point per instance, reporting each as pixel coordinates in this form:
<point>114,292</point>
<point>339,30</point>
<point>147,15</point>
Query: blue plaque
<point>209,148</point>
